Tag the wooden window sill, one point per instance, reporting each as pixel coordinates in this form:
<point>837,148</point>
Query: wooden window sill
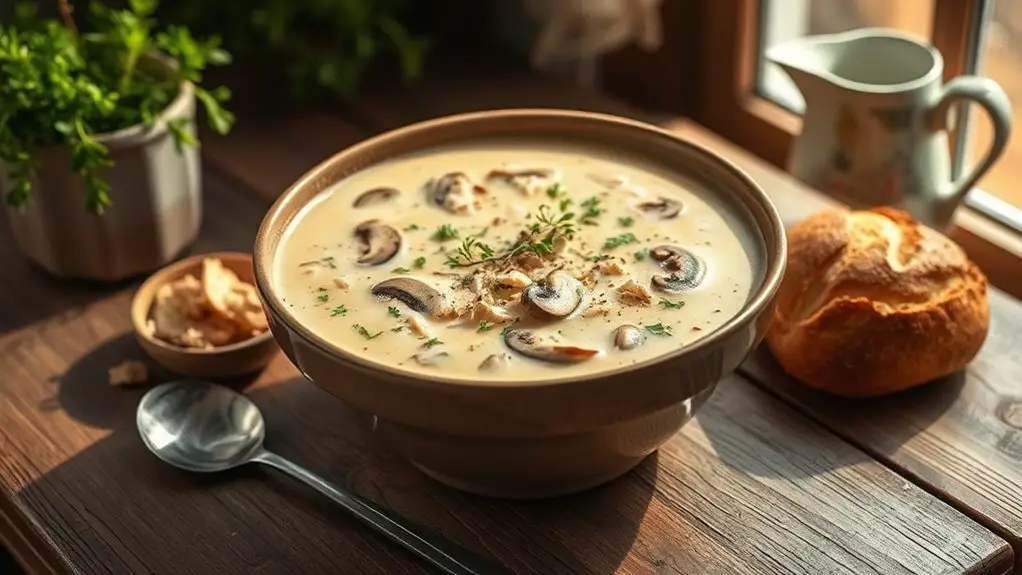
<point>997,250</point>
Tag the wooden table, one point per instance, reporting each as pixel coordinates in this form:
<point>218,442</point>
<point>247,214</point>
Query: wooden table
<point>768,478</point>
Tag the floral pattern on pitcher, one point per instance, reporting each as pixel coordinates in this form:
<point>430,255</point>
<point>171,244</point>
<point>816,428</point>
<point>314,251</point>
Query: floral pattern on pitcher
<point>858,183</point>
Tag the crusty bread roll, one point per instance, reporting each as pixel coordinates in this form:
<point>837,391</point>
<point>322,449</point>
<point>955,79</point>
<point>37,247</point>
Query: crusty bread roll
<point>873,303</point>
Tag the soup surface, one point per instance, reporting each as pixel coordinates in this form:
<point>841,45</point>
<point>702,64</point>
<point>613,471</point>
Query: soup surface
<point>513,261</point>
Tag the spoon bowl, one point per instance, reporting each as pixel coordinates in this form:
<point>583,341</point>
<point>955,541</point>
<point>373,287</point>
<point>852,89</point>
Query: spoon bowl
<point>204,427</point>
<point>199,426</point>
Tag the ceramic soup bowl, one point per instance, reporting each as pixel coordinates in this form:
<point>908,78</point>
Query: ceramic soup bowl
<point>540,438</point>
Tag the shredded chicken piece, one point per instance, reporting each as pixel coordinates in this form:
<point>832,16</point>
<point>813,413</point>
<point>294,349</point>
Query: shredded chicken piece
<point>418,326</point>
<point>510,283</point>
<point>596,310</point>
<point>632,293</point>
<point>484,311</point>
<point>529,261</point>
<point>589,278</point>
<point>611,268</point>
<point>529,182</point>
<point>341,283</point>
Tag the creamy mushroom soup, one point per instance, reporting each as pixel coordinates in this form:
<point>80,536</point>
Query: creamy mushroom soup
<point>513,261</point>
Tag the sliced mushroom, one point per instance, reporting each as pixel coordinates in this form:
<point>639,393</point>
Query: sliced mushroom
<point>558,296</point>
<point>375,196</point>
<point>628,337</point>
<point>686,269</point>
<point>610,182</point>
<point>380,242</point>
<point>495,362</point>
<point>618,183</point>
<point>662,208</point>
<point>454,192</point>
<point>529,344</point>
<point>416,295</point>
<point>430,357</point>
<point>673,282</point>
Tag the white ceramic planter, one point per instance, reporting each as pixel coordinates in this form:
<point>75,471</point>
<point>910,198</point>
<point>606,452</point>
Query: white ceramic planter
<point>156,212</point>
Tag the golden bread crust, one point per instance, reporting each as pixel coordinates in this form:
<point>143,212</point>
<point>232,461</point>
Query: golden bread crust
<point>873,303</point>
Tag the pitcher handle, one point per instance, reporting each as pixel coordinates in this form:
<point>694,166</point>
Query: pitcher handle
<point>988,94</point>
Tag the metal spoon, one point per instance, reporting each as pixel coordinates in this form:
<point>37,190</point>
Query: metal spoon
<point>204,427</point>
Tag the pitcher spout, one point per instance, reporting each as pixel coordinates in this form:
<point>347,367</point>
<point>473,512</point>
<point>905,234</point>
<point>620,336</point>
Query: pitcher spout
<point>809,62</point>
<point>865,59</point>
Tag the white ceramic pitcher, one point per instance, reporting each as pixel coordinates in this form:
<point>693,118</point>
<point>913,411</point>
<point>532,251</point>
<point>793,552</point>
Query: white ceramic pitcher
<point>875,124</point>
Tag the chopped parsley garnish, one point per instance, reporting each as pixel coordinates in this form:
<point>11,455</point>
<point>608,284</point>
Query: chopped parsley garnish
<point>328,261</point>
<point>555,191</point>
<point>485,325</point>
<point>599,258</point>
<point>621,240</point>
<point>338,310</point>
<point>364,332</point>
<point>482,233</point>
<point>419,262</point>
<point>503,332</point>
<point>413,228</point>
<point>445,232</point>
<point>323,297</point>
<point>641,255</point>
<point>592,211</point>
<point>668,304</point>
<point>565,202</point>
<point>394,311</point>
<point>400,270</point>
<point>626,222</point>
<point>659,329</point>
<point>432,342</point>
<point>397,329</point>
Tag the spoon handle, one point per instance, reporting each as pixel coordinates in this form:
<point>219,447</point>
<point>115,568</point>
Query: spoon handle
<point>446,555</point>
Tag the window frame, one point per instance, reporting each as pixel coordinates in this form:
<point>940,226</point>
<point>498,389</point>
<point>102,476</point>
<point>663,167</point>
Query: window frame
<point>728,103</point>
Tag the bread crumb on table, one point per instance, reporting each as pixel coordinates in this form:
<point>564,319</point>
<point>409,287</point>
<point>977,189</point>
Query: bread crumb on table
<point>127,373</point>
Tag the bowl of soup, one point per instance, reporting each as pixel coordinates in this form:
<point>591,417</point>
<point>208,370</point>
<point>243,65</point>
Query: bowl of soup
<point>522,303</point>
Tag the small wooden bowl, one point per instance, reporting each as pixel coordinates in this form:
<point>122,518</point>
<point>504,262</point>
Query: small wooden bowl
<point>228,361</point>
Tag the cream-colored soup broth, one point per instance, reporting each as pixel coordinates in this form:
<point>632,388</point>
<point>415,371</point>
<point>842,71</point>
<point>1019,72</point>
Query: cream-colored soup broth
<point>513,261</point>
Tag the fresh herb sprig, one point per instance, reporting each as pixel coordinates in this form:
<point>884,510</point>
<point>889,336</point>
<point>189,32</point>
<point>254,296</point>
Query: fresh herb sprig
<point>540,238</point>
<point>63,88</point>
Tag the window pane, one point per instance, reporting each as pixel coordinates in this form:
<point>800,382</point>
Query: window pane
<point>783,20</point>
<point>1001,60</point>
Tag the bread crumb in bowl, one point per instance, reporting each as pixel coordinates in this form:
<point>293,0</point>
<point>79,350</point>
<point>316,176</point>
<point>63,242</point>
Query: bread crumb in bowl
<point>873,303</point>
<point>217,310</point>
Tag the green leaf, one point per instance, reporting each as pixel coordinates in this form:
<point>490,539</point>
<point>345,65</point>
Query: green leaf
<point>183,136</point>
<point>219,119</point>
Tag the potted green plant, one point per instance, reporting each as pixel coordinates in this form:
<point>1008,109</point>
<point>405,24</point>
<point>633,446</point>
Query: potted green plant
<point>99,165</point>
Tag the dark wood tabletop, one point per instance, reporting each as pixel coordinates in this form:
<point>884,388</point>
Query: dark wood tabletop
<point>766,479</point>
